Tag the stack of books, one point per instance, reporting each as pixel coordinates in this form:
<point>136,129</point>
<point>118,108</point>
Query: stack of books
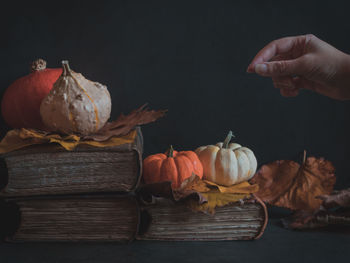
<point>90,194</point>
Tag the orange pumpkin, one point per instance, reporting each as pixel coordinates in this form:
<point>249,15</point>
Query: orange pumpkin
<point>172,166</point>
<point>20,105</point>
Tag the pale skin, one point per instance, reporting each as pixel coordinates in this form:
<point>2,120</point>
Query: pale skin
<point>304,62</point>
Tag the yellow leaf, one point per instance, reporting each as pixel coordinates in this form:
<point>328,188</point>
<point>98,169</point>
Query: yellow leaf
<point>215,199</point>
<point>20,138</point>
<point>243,188</point>
<point>212,195</point>
<point>193,183</point>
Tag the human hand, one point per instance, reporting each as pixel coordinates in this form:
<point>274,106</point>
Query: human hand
<point>304,62</point>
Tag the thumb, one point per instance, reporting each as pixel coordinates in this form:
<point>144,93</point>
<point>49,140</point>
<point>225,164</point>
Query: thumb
<point>280,68</point>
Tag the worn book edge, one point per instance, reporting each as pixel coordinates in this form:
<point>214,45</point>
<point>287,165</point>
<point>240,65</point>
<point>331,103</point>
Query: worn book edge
<point>136,145</point>
<point>15,215</point>
<point>144,225</point>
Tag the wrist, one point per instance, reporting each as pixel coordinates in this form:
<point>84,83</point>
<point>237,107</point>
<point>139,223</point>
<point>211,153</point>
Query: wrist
<point>344,76</point>
<point>346,64</point>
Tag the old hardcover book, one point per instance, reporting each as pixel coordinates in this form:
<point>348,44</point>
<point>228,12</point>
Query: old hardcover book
<point>74,218</point>
<point>165,220</point>
<point>50,169</point>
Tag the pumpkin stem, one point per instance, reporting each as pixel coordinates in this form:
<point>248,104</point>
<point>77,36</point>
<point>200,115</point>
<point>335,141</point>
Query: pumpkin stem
<point>171,152</point>
<point>304,157</point>
<point>38,65</point>
<point>66,68</point>
<point>227,140</point>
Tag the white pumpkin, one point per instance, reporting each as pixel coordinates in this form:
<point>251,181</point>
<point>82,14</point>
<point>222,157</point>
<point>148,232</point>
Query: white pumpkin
<point>227,163</point>
<point>76,104</point>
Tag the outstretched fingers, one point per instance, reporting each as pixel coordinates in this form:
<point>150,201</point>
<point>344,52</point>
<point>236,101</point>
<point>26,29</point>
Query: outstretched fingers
<point>276,48</point>
<point>281,68</point>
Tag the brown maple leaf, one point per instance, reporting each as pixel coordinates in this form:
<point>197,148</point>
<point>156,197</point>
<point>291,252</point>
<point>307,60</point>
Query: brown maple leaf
<point>125,123</point>
<point>291,185</point>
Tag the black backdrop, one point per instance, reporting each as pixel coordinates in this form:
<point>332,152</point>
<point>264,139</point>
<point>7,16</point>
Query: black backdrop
<point>189,57</point>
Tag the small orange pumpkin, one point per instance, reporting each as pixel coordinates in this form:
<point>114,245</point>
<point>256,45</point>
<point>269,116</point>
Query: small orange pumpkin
<point>172,166</point>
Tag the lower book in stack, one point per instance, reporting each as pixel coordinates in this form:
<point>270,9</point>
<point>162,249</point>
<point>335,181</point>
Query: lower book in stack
<point>121,218</point>
<point>73,218</point>
<point>165,220</point>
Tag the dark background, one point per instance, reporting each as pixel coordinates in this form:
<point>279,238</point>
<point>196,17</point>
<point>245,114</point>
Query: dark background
<point>190,57</point>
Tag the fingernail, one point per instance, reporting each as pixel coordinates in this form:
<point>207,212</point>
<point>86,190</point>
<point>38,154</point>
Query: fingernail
<point>260,68</point>
<point>249,70</point>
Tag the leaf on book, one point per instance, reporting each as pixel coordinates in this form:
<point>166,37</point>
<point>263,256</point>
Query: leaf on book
<point>191,186</point>
<point>200,195</point>
<point>216,199</point>
<point>242,188</point>
<point>162,189</point>
<point>291,185</point>
<point>20,138</point>
<point>189,189</point>
<point>125,123</point>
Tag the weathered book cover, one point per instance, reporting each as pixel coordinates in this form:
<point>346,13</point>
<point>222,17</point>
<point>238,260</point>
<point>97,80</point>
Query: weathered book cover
<point>74,218</point>
<point>166,220</point>
<point>49,169</point>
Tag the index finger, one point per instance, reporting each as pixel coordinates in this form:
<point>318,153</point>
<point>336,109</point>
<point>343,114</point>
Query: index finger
<point>274,48</point>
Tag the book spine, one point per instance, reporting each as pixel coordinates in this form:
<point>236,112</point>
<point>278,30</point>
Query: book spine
<point>138,147</point>
<point>73,218</point>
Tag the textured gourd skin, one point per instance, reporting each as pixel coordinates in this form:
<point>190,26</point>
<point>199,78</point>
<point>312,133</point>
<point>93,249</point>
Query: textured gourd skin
<point>21,101</point>
<point>159,167</point>
<point>76,105</point>
<point>227,166</point>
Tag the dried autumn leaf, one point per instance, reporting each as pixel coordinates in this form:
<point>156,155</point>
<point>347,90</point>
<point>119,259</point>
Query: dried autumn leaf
<point>161,189</point>
<point>200,195</point>
<point>288,184</point>
<point>215,199</point>
<point>125,123</point>
<point>194,182</point>
<point>164,190</point>
<point>242,188</point>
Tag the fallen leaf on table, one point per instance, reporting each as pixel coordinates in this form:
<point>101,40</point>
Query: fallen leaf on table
<point>291,185</point>
<point>322,218</point>
<point>327,214</point>
<point>302,220</point>
<point>337,198</point>
<point>125,123</point>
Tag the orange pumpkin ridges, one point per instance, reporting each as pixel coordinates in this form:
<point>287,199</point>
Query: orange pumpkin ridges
<point>172,166</point>
<point>20,105</point>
